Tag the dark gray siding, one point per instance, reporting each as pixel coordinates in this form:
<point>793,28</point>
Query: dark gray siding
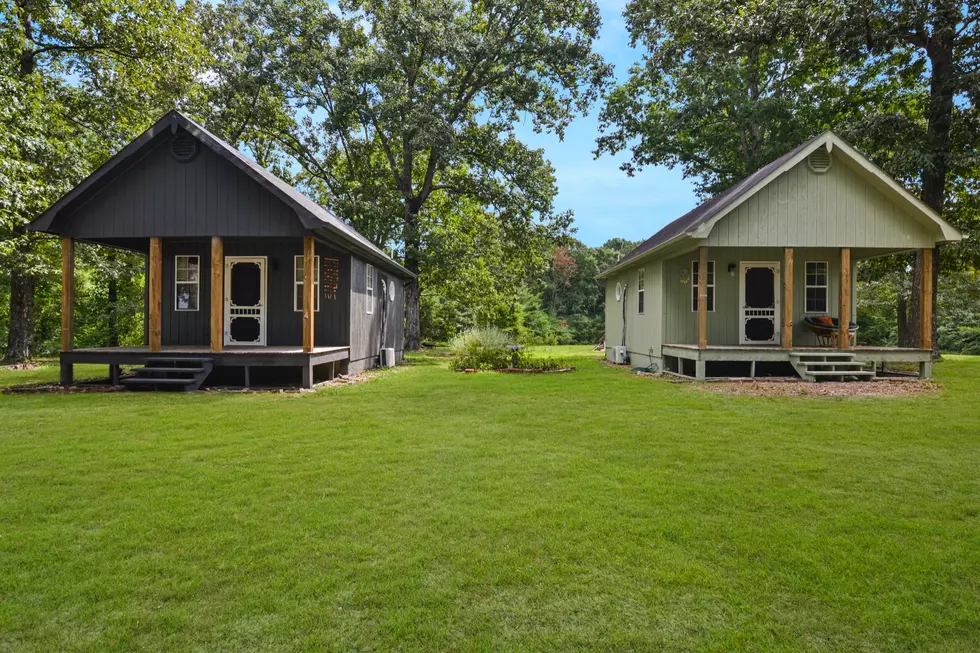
<point>284,325</point>
<point>160,196</point>
<point>365,329</point>
<point>186,327</point>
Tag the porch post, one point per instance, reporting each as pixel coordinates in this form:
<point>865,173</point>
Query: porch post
<point>217,292</point>
<point>155,302</point>
<point>67,307</point>
<point>67,294</point>
<point>844,319</point>
<point>702,298</point>
<point>788,298</point>
<point>925,301</point>
<point>309,292</point>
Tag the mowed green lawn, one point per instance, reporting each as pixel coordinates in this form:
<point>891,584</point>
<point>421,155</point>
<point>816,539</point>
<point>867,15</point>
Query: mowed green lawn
<point>431,510</point>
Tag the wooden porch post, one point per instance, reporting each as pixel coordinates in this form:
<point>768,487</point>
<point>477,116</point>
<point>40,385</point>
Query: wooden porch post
<point>155,302</point>
<point>844,319</point>
<point>67,294</point>
<point>925,301</point>
<point>788,298</point>
<point>217,292</point>
<point>702,298</point>
<point>309,292</point>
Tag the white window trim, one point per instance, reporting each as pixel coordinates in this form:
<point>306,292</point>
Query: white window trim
<point>178,283</point>
<point>369,298</point>
<point>298,305</point>
<point>641,291</point>
<point>826,287</point>
<point>711,287</point>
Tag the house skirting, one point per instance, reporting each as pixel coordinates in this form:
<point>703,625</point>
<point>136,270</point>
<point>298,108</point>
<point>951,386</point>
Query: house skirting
<point>691,361</point>
<point>334,358</point>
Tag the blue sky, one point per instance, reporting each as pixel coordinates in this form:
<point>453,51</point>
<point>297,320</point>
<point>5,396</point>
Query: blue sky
<point>606,202</point>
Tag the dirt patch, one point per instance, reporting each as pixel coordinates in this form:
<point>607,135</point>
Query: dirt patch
<point>55,388</point>
<point>19,367</point>
<point>797,388</point>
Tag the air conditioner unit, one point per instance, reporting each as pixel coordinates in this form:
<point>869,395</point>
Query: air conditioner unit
<point>388,357</point>
<point>617,354</point>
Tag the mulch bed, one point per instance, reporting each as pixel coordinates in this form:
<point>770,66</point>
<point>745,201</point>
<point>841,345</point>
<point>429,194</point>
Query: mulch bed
<point>797,388</point>
<point>55,388</point>
<point>521,370</point>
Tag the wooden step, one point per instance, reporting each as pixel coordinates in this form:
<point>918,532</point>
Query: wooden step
<point>834,365</point>
<point>866,373</point>
<point>152,371</point>
<point>176,359</point>
<point>146,380</point>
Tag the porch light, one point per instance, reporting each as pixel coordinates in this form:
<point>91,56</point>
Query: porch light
<point>731,269</point>
<point>684,276</point>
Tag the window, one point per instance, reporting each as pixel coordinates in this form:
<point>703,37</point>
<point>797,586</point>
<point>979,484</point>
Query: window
<point>298,283</point>
<point>639,291</point>
<point>370,289</point>
<point>816,286</point>
<point>187,283</point>
<point>711,286</point>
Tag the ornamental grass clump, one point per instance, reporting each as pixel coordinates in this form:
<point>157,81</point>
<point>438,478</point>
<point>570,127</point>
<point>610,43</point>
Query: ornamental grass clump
<point>481,348</point>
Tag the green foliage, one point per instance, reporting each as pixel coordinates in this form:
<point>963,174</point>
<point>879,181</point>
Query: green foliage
<point>481,349</point>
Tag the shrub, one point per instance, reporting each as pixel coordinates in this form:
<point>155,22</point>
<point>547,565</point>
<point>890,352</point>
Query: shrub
<point>481,349</point>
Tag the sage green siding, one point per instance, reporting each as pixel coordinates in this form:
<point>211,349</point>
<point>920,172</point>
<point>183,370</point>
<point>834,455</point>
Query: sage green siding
<point>724,323</point>
<point>644,331</point>
<point>838,208</point>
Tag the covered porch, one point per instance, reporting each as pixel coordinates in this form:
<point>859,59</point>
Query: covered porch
<point>213,297</point>
<point>764,306</point>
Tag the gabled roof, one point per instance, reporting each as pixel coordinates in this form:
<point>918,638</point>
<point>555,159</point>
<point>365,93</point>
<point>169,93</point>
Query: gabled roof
<point>312,216</point>
<point>698,222</point>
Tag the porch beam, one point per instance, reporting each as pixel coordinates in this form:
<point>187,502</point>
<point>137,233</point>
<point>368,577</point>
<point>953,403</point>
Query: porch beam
<point>925,301</point>
<point>703,298</point>
<point>155,302</point>
<point>217,293</point>
<point>787,321</point>
<point>844,318</point>
<point>309,291</point>
<point>67,294</point>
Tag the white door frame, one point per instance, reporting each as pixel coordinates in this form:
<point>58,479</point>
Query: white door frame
<point>744,310</point>
<point>262,262</point>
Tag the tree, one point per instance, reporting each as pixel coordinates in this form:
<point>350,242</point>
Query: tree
<point>397,102</point>
<point>935,45</point>
<point>79,79</point>
<point>724,88</point>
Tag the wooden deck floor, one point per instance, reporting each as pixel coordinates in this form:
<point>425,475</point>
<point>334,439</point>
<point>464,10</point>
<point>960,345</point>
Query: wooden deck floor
<point>205,350</point>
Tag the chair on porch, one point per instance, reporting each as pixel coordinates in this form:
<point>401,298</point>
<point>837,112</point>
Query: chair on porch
<point>826,330</point>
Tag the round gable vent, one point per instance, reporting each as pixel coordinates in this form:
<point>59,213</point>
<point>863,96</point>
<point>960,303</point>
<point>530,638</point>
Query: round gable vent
<point>819,160</point>
<point>183,146</point>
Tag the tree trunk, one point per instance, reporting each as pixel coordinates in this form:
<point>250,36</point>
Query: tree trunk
<point>113,313</point>
<point>21,316</point>
<point>903,320</point>
<point>941,92</point>
<point>413,293</point>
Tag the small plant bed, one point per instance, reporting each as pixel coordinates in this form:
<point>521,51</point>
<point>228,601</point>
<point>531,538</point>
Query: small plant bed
<point>491,349</point>
<point>797,388</point>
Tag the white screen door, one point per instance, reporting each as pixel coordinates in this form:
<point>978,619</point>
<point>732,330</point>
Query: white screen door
<point>759,296</point>
<point>245,300</point>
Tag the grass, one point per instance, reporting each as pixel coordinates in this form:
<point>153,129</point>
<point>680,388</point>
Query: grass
<point>431,510</point>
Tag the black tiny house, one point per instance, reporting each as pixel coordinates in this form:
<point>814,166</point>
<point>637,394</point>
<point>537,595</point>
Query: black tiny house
<point>243,270</point>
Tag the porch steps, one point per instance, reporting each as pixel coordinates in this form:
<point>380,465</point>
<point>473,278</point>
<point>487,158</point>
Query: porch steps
<point>157,373</point>
<point>830,366</point>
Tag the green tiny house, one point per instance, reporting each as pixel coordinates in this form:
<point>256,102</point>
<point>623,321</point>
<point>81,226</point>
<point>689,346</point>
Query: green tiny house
<point>780,249</point>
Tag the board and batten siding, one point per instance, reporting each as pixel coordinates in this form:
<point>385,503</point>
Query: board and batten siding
<point>158,195</point>
<point>365,328</point>
<point>643,330</point>
<point>838,208</point>
<point>681,323</point>
<point>284,325</point>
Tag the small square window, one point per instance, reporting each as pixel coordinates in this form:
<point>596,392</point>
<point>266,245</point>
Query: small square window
<point>187,282</point>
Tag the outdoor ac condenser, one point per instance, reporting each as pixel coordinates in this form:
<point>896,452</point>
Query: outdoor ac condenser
<point>617,354</point>
<point>388,357</point>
